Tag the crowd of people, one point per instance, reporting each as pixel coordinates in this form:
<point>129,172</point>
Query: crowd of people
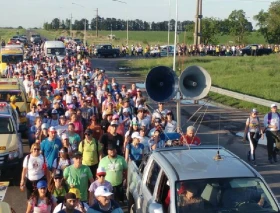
<point>83,130</point>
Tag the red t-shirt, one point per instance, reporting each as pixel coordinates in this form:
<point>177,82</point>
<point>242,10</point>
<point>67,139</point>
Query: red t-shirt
<point>190,140</point>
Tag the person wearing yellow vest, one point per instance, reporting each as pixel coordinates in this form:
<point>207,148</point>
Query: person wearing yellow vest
<point>13,100</point>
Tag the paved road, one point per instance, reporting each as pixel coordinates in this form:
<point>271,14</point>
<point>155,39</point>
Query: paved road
<point>218,127</point>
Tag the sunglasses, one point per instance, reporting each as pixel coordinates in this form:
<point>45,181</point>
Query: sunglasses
<point>101,175</point>
<point>36,149</point>
<point>88,134</point>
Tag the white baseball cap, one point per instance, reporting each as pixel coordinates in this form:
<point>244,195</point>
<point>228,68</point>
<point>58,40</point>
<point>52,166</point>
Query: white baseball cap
<point>64,136</point>
<point>273,105</point>
<point>102,191</point>
<point>136,135</point>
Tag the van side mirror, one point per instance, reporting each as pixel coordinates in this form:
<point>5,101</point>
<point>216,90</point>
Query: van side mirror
<point>155,208</point>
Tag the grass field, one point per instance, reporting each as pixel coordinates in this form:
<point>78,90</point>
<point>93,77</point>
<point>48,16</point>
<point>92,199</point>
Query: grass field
<point>142,37</point>
<point>6,34</point>
<point>256,76</point>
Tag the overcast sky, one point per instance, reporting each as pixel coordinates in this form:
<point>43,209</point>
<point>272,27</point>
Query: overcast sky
<point>33,13</point>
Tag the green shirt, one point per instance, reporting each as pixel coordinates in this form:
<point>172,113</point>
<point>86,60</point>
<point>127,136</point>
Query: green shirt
<point>114,169</point>
<point>90,153</point>
<point>78,178</point>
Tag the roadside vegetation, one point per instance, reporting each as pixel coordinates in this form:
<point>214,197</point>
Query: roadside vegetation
<point>143,37</point>
<point>256,76</point>
<point>6,34</point>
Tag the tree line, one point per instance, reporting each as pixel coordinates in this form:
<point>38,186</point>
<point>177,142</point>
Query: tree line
<point>236,24</point>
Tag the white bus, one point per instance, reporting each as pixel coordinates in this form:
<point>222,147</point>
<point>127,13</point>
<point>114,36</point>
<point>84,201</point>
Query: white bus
<point>54,48</point>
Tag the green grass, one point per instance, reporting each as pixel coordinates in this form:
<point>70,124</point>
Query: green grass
<point>6,34</point>
<point>142,37</point>
<point>256,76</point>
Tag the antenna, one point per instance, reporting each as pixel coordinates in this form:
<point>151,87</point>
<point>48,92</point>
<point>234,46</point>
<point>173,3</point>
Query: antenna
<point>218,156</point>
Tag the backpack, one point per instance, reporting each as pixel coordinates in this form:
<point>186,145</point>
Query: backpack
<point>270,116</point>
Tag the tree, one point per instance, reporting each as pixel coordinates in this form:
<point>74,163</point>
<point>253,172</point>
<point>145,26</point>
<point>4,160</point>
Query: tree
<point>20,27</point>
<point>55,23</point>
<point>238,25</point>
<point>209,30</point>
<point>273,20</point>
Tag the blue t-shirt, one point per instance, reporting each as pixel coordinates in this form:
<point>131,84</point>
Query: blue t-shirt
<point>50,150</point>
<point>135,153</point>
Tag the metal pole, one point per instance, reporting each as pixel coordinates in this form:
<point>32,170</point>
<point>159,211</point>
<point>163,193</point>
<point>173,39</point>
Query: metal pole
<point>178,96</point>
<point>71,25</point>
<point>126,31</point>
<point>85,32</point>
<point>199,22</point>
<point>195,42</point>
<point>168,36</point>
<point>97,22</point>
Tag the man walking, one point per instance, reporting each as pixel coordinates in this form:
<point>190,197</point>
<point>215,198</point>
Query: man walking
<point>271,123</point>
<point>116,171</point>
<point>91,150</point>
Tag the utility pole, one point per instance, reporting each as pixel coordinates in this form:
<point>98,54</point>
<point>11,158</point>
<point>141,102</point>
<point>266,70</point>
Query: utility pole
<point>96,22</point>
<point>197,26</point>
<point>85,32</point>
<point>71,25</point>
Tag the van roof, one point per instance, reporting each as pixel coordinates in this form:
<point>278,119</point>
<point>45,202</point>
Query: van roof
<point>199,163</point>
<point>54,44</point>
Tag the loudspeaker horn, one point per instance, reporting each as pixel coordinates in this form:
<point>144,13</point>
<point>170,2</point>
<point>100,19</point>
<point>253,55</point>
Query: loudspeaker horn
<point>194,83</point>
<point>161,84</point>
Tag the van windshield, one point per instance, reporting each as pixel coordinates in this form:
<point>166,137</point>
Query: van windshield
<point>56,51</point>
<point>232,195</point>
<point>13,59</point>
<point>6,126</point>
<point>6,95</point>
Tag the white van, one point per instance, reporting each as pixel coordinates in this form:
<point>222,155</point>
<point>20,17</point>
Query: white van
<point>54,48</point>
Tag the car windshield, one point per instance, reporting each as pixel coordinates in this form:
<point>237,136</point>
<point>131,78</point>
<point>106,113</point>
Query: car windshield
<point>56,51</point>
<point>6,126</point>
<point>229,195</point>
<point>6,95</point>
<point>13,59</point>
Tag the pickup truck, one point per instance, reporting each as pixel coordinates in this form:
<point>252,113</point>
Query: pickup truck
<point>202,179</point>
<point>105,50</point>
<point>254,50</point>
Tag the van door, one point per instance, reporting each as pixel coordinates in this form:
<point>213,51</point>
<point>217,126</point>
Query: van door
<point>148,187</point>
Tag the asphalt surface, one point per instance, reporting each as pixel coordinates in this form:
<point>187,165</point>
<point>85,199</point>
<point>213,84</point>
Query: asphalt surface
<point>218,127</point>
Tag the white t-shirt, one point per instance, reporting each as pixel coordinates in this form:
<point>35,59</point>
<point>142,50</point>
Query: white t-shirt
<point>61,206</point>
<point>61,129</point>
<point>35,167</point>
<point>68,98</point>
<point>62,164</point>
<point>31,117</point>
<point>170,126</point>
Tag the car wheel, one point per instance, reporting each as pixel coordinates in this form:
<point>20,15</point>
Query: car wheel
<point>245,54</point>
<point>98,55</point>
<point>114,55</point>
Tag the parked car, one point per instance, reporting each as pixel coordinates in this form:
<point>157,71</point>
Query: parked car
<point>169,177</point>
<point>105,50</point>
<point>35,36</point>
<point>163,51</point>
<point>255,50</point>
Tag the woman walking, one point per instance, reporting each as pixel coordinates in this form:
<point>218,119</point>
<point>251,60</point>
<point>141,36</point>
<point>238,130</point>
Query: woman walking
<point>253,132</point>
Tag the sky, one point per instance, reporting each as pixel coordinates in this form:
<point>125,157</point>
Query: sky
<point>33,13</point>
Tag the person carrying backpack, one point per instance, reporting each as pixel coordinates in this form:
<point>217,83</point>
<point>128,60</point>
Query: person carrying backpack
<point>271,122</point>
<point>253,132</point>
